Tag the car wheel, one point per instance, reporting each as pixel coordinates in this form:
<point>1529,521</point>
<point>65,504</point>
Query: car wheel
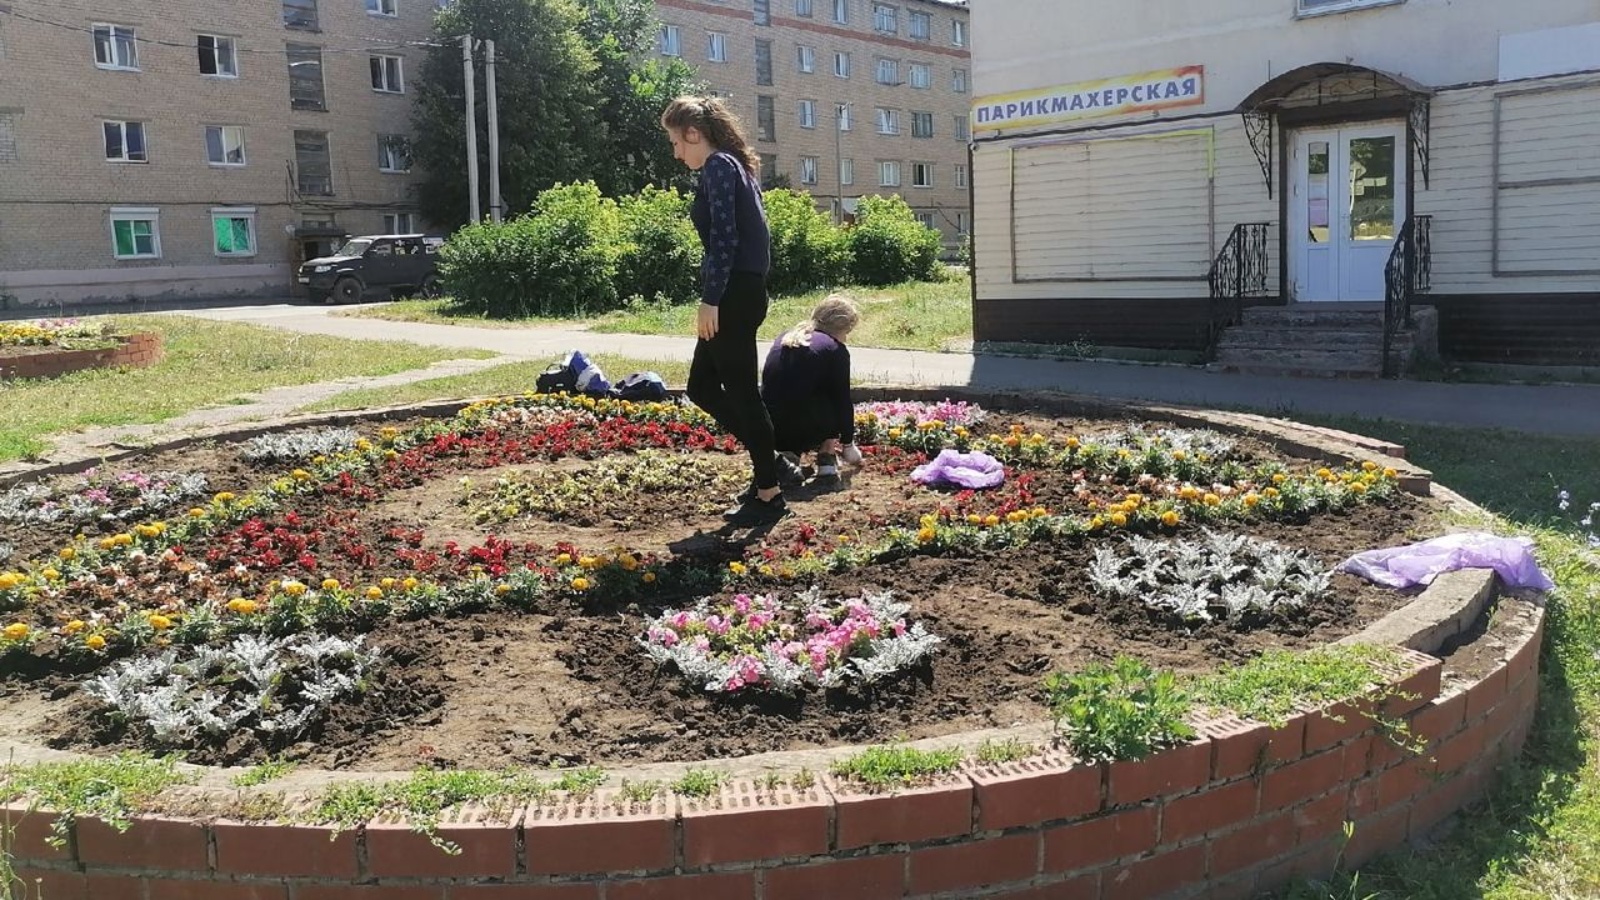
<point>431,288</point>
<point>347,290</point>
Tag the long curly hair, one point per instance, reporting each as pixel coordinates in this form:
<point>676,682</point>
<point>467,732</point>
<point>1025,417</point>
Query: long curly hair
<point>717,123</point>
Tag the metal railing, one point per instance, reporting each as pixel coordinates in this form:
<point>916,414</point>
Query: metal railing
<point>1408,273</point>
<point>1239,271</point>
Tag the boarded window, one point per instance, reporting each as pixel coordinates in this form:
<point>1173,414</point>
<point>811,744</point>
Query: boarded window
<point>8,137</point>
<point>1125,208</point>
<point>305,77</point>
<point>1548,184</point>
<point>763,62</point>
<point>313,169</point>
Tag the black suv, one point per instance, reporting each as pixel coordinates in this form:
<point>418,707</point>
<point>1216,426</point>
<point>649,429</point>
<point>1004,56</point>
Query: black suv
<point>395,264</point>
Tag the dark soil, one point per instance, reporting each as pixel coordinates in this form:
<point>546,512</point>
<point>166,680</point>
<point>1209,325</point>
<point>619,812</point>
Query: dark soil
<point>569,684</point>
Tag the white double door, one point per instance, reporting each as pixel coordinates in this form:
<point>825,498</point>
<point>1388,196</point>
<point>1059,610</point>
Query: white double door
<point>1347,204</point>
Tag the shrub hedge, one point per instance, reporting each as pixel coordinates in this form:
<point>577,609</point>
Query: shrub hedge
<point>578,253</point>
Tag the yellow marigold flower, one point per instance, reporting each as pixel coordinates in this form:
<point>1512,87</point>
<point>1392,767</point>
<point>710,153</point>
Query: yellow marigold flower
<point>1016,515</point>
<point>1072,443</point>
<point>580,584</point>
<point>16,631</point>
<point>1391,473</point>
<point>300,475</point>
<point>1359,488</point>
<point>736,568</point>
<point>588,562</point>
<point>501,589</point>
<point>649,577</point>
<point>1012,441</point>
<point>410,584</point>
<point>1252,498</point>
<point>73,627</point>
<point>391,455</point>
<point>122,540</point>
<point>363,445</point>
<point>1279,478</point>
<point>564,559</point>
<point>196,512</point>
<point>991,520</point>
<point>68,553</point>
<point>1178,455</point>
<point>160,622</point>
<point>1324,473</point>
<point>895,433</point>
<point>375,592</point>
<point>1096,523</point>
<point>9,580</point>
<point>926,535</point>
<point>974,519</point>
<point>386,583</point>
<point>50,574</point>
<point>224,497</point>
<point>1211,499</point>
<point>330,584</point>
<point>106,543</point>
<point>243,606</point>
<point>961,431</point>
<point>1039,512</point>
<point>1368,465</point>
<point>1124,453</point>
<point>318,460</point>
<point>293,588</point>
<point>388,432</point>
<point>95,642</point>
<point>1270,492</point>
<point>765,570</point>
<point>628,562</point>
<point>1133,500</point>
<point>1170,518</point>
<point>1119,519</point>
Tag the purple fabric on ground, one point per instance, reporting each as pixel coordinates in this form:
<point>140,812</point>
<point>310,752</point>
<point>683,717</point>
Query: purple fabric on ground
<point>1399,567</point>
<point>968,470</point>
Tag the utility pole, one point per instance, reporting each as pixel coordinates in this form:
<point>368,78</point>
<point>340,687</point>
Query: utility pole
<point>474,213</point>
<point>494,132</point>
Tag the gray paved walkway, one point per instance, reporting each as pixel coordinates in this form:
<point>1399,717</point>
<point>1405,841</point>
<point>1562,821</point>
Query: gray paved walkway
<point>1543,409</point>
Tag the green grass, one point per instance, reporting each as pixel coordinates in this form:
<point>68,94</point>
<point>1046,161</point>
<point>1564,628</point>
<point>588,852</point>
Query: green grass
<point>205,363</point>
<point>109,789</point>
<point>994,753</point>
<point>888,767</point>
<point>257,775</point>
<point>1274,686</point>
<point>700,783</point>
<point>1537,834</point>
<point>511,378</point>
<point>910,316</point>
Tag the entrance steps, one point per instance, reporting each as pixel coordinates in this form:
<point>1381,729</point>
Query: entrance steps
<point>1343,341</point>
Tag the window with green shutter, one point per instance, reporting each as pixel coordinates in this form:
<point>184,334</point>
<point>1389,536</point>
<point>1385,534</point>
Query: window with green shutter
<point>233,232</point>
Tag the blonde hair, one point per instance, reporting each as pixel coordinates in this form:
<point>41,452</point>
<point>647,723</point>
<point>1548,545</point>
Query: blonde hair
<point>835,317</point>
<point>717,123</point>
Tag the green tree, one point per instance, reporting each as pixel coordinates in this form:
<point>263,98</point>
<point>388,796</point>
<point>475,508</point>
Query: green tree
<point>548,97</point>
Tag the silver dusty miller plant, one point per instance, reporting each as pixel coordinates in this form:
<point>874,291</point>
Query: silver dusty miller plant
<point>97,497</point>
<point>1197,442</point>
<point>295,446</point>
<point>1216,577</point>
<point>273,686</point>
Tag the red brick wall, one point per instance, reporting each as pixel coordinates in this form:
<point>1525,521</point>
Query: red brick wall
<point>135,352</point>
<point>1243,808</point>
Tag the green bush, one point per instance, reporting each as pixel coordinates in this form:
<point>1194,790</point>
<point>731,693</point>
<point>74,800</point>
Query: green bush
<point>1121,711</point>
<point>888,245</point>
<point>659,253</point>
<point>807,250</point>
<point>560,259</point>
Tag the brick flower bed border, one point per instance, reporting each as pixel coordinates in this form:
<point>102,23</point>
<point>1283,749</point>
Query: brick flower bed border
<point>1243,808</point>
<point>135,351</point>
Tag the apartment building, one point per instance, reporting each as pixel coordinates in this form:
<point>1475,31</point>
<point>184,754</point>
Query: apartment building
<point>845,98</point>
<point>160,149</point>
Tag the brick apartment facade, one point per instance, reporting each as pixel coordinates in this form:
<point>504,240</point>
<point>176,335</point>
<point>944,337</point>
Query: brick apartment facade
<point>160,149</point>
<point>899,68</point>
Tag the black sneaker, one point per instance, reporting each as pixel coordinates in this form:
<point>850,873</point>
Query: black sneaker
<point>756,511</point>
<point>789,473</point>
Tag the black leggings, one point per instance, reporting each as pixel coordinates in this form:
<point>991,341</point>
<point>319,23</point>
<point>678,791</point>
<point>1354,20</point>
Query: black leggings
<point>722,377</point>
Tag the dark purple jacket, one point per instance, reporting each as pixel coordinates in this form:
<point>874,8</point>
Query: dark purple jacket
<point>732,223</point>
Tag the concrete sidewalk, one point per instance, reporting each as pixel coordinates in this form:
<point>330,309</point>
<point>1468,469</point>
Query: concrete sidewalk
<point>1540,409</point>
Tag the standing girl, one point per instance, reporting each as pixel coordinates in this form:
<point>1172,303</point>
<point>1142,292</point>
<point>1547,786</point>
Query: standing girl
<point>728,214</point>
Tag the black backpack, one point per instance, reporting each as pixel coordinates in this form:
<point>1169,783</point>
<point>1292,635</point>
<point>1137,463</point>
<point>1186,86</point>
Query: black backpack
<point>643,387</point>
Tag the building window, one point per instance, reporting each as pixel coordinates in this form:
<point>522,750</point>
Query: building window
<point>885,18</point>
<point>313,171</point>
<point>386,74</point>
<point>808,170</point>
<point>300,14</point>
<point>125,142</point>
<point>1330,6</point>
<point>961,175</point>
<point>764,62</point>
<point>218,56</point>
<point>921,26</point>
<point>233,231</point>
<point>888,174</point>
<point>116,47</point>
<point>762,11</point>
<point>961,222</point>
<point>225,145</point>
<point>399,223</point>
<point>922,174</point>
<point>8,137</point>
<point>716,47</point>
<point>305,77</point>
<point>888,71</point>
<point>958,33</point>
<point>888,121</point>
<point>766,123</point>
<point>802,8</point>
<point>841,65</point>
<point>383,7</point>
<point>847,171</point>
<point>841,113</point>
<point>394,153</point>
<point>769,168</point>
<point>841,11</point>
<point>925,218</point>
<point>958,81</point>
<point>669,41</point>
<point>135,232</point>
<point>922,124</point>
<point>962,132</point>
<point>808,113</point>
<point>921,75</point>
<point>806,59</point>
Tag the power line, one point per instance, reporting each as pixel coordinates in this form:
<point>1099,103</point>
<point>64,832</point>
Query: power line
<point>156,42</point>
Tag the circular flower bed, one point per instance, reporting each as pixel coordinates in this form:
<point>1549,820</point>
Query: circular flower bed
<point>547,579</point>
